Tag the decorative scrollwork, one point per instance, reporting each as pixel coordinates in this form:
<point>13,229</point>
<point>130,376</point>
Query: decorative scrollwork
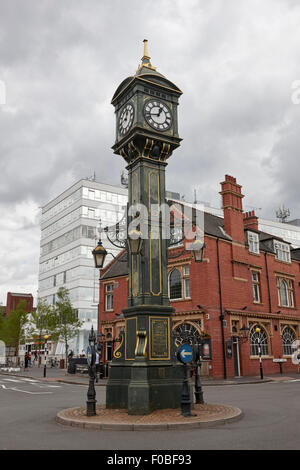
<point>117,234</point>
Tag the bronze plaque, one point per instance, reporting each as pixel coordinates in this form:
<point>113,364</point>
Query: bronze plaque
<point>160,343</point>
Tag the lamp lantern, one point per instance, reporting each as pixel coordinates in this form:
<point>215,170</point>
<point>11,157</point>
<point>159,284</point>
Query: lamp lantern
<point>244,331</point>
<point>197,248</point>
<point>99,254</point>
<point>135,242</point>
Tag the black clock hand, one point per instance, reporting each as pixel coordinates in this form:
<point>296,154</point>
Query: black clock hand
<point>154,114</point>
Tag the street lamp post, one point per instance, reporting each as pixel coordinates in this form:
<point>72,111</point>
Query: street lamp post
<point>45,349</point>
<point>91,358</point>
<point>198,387</point>
<point>257,330</point>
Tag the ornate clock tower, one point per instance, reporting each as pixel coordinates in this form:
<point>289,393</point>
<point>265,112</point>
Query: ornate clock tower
<point>144,373</point>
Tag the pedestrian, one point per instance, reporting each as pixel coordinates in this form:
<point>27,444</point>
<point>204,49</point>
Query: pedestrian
<point>298,357</point>
<point>29,359</point>
<point>26,360</point>
<point>70,354</point>
<point>35,355</point>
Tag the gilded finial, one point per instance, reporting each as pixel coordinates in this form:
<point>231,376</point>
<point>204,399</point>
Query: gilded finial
<point>146,58</point>
<point>146,53</point>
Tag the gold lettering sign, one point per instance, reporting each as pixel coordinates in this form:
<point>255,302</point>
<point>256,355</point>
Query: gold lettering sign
<point>160,338</point>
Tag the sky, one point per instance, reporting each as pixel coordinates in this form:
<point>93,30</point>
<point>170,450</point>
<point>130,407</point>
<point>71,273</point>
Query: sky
<point>236,61</point>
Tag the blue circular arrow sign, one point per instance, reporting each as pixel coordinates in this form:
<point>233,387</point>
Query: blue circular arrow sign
<point>185,353</point>
<point>89,355</point>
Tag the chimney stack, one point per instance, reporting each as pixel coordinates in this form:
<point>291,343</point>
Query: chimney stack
<point>232,208</point>
<point>250,220</point>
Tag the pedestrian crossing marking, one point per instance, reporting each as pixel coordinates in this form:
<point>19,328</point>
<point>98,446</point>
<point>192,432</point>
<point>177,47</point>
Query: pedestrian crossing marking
<point>7,384</point>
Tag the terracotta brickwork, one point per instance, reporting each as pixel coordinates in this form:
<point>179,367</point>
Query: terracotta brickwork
<point>13,299</point>
<point>232,287</point>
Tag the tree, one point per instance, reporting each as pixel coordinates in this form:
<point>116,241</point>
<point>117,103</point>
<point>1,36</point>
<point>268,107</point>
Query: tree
<point>64,324</point>
<point>41,319</point>
<point>13,328</point>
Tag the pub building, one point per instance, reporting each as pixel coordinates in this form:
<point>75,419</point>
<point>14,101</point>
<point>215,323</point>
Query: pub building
<point>247,279</point>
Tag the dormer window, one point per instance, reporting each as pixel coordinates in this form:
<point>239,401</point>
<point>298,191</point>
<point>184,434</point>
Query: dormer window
<point>282,251</point>
<point>253,242</point>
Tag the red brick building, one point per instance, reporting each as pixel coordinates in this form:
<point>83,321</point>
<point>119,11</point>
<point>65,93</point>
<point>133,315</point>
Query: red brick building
<point>247,279</point>
<point>13,300</point>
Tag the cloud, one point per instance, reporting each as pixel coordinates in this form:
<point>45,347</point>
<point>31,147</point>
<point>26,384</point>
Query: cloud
<point>61,62</point>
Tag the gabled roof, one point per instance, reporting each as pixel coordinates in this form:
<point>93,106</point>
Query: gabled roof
<point>117,267</point>
<point>214,226</point>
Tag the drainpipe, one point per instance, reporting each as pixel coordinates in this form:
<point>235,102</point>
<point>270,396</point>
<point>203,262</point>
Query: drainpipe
<point>221,310</point>
<point>268,283</point>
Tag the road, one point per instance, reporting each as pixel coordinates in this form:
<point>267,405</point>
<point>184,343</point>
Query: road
<point>28,409</point>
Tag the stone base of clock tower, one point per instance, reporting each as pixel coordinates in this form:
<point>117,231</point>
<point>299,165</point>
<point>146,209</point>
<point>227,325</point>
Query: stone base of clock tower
<point>144,375</point>
<point>142,388</point>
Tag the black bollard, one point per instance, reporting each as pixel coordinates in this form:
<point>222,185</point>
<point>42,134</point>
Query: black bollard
<point>91,394</point>
<point>198,388</point>
<point>185,396</point>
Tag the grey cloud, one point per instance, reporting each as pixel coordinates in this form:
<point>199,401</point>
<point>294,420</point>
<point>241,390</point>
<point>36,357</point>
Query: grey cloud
<point>62,60</point>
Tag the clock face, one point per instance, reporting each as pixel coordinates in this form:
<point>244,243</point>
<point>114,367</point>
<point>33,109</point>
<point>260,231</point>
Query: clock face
<point>157,115</point>
<point>126,119</point>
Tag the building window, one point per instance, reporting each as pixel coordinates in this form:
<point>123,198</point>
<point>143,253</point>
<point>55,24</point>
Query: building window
<point>253,242</point>
<point>175,286</point>
<point>288,341</point>
<point>282,251</point>
<point>256,286</point>
<point>257,339</point>
<point>285,291</point>
<point>186,281</point>
<point>91,194</point>
<point>91,213</point>
<point>109,297</point>
<point>187,291</point>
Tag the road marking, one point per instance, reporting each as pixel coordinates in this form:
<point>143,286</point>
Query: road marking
<point>31,393</point>
<point>24,391</point>
<point>292,380</point>
<point>29,380</point>
<point>12,380</point>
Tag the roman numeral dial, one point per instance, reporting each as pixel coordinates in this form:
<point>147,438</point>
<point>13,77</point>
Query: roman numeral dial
<point>158,115</point>
<point>126,119</point>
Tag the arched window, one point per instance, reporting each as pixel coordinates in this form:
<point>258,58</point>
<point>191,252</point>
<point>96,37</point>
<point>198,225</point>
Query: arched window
<point>175,285</point>
<point>257,339</point>
<point>184,331</point>
<point>284,293</point>
<point>288,338</point>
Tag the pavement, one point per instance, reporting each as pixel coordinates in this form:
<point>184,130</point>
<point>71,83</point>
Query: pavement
<point>61,375</point>
<point>202,416</point>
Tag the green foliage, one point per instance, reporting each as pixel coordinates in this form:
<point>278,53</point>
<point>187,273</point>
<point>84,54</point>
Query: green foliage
<point>41,320</point>
<point>12,328</point>
<point>63,320</point>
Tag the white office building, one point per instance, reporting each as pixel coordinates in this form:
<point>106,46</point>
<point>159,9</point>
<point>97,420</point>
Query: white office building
<point>69,233</point>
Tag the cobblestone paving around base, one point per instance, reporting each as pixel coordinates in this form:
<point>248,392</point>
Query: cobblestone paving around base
<point>205,415</point>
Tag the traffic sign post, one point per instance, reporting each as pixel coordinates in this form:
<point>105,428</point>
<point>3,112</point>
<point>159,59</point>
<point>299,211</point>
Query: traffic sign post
<point>91,359</point>
<point>185,355</point>
<point>280,361</point>
<point>198,388</point>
